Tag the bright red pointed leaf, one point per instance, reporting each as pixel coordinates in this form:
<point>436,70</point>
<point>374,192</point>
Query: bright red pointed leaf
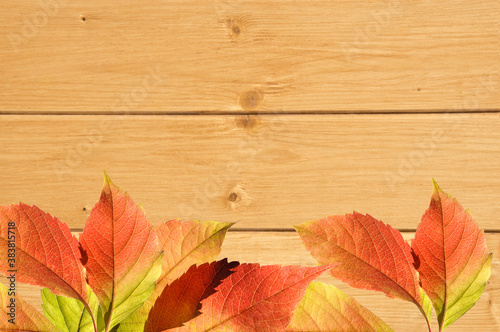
<point>326,308</point>
<point>124,259</point>
<point>46,253</point>
<point>255,298</point>
<point>184,244</point>
<point>454,263</point>
<point>180,301</point>
<point>18,315</point>
<point>372,255</point>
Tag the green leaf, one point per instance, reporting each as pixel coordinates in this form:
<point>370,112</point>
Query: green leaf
<point>70,315</point>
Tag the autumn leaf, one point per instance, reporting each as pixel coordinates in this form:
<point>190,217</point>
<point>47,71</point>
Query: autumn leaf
<point>254,298</point>
<point>180,301</point>
<point>454,261</point>
<point>46,253</point>
<point>124,258</point>
<point>24,318</point>
<point>188,242</point>
<point>326,308</point>
<point>371,255</point>
<point>184,244</point>
<point>69,314</point>
<point>126,275</point>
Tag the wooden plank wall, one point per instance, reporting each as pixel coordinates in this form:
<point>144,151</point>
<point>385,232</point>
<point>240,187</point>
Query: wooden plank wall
<point>266,113</point>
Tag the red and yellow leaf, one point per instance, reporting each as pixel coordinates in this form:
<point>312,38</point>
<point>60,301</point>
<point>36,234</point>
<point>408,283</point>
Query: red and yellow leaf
<point>46,253</point>
<point>326,308</point>
<point>124,258</point>
<point>184,243</point>
<point>18,315</point>
<point>255,298</point>
<point>180,301</point>
<point>454,263</point>
<point>371,255</point>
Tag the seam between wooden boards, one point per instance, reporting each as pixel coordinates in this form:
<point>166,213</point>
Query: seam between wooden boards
<point>211,113</point>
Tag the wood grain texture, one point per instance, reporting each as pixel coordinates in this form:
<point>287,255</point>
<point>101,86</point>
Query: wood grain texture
<point>263,248</point>
<point>260,171</point>
<point>249,56</point>
<point>66,66</point>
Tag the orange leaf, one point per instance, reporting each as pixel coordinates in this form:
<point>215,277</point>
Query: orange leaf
<point>46,253</point>
<point>180,301</point>
<point>124,259</point>
<point>454,263</point>
<point>184,243</point>
<point>255,298</point>
<point>371,255</point>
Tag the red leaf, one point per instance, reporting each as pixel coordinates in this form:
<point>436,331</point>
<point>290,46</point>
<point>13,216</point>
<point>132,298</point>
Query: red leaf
<point>123,254</point>
<point>372,255</point>
<point>47,254</point>
<point>255,298</point>
<point>454,259</point>
<point>180,301</point>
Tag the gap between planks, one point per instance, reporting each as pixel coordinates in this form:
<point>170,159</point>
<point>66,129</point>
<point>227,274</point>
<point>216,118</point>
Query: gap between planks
<point>291,230</point>
<point>210,113</point>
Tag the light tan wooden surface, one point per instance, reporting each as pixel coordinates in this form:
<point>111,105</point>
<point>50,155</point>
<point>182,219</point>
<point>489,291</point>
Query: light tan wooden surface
<point>256,88</point>
<point>257,56</point>
<point>260,171</point>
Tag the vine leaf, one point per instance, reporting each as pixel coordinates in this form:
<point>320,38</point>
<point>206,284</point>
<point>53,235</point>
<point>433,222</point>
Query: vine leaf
<point>123,254</point>
<point>46,253</point>
<point>184,244</point>
<point>371,255</point>
<point>454,263</point>
<point>255,298</point>
<point>69,314</point>
<point>180,301</point>
<point>326,308</point>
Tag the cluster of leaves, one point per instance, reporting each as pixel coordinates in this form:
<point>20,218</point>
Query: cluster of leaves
<point>445,267</point>
<point>124,274</point>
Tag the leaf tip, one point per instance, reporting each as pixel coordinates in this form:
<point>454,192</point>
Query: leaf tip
<point>470,214</point>
<point>107,179</point>
<point>300,228</point>
<point>230,224</point>
<point>435,186</point>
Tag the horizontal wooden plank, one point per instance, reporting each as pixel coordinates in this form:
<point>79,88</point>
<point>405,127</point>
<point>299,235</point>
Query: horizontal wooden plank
<point>260,171</point>
<point>252,56</point>
<point>285,248</point>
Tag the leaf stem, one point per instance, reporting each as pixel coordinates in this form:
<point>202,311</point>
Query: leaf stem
<point>87,307</point>
<point>428,325</point>
<point>425,316</point>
